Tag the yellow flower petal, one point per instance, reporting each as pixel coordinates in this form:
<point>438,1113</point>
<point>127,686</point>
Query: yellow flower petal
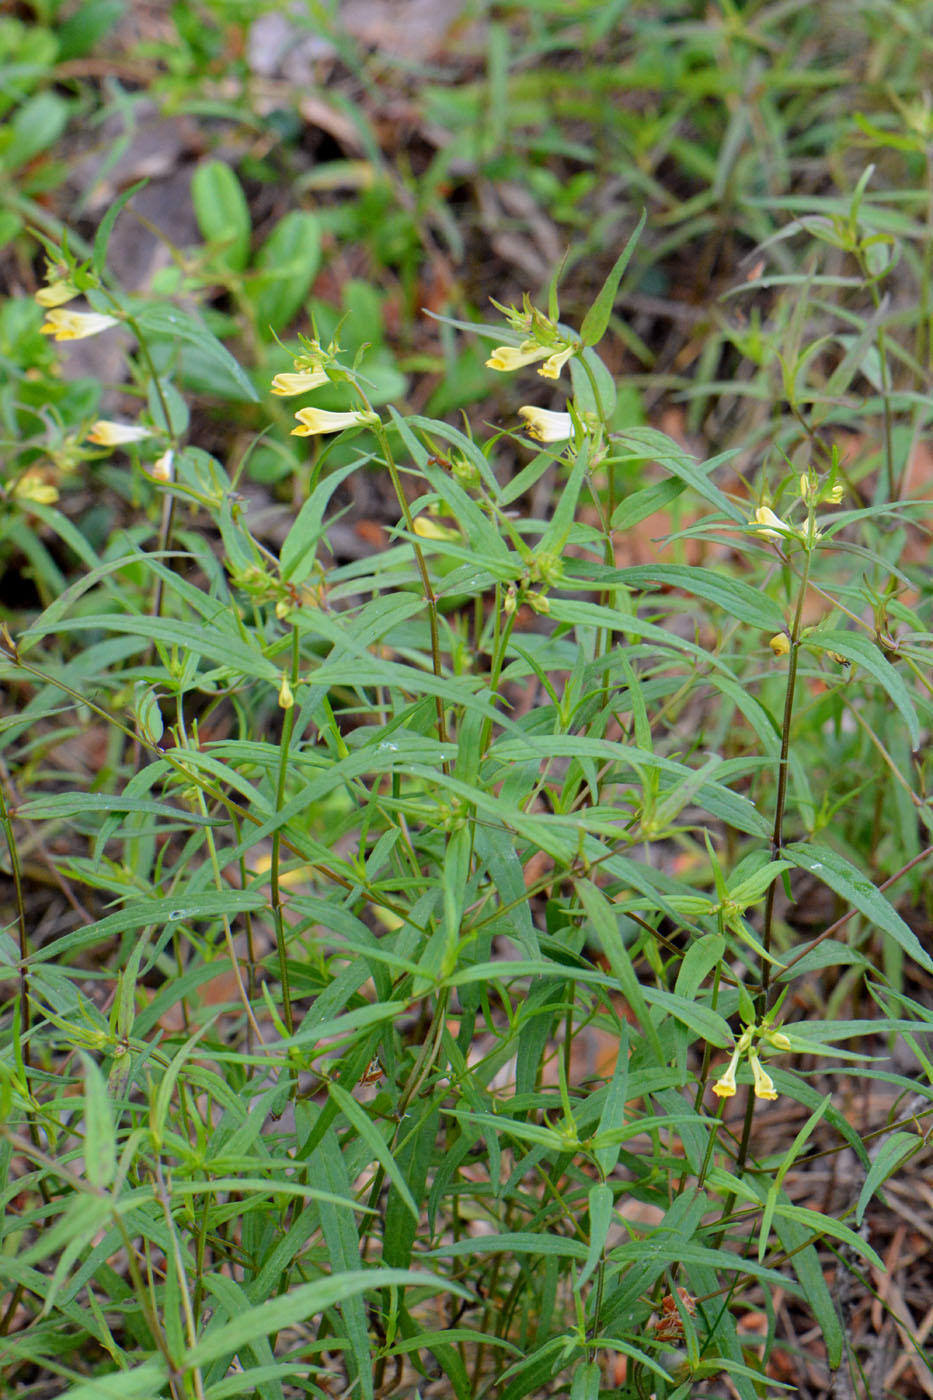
<point>769,524</point>
<point>508,357</point>
<point>106,433</point>
<point>764,1085</point>
<point>554,364</point>
<point>299,383</point>
<point>56,294</point>
<point>321,420</point>
<point>76,325</point>
<point>545,425</point>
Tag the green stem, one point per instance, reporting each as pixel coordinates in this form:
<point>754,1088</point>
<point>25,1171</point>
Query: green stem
<point>777,834</point>
<point>288,725</point>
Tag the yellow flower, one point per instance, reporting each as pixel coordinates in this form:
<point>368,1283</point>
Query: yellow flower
<point>321,420</point>
<point>764,1085</point>
<point>725,1084</point>
<point>508,357</point>
<point>163,468</point>
<point>76,325</point>
<point>56,294</point>
<point>769,524</point>
<point>106,433</point>
<point>780,644</point>
<point>430,529</point>
<point>32,487</point>
<point>286,694</point>
<point>547,426</point>
<point>288,384</point>
<point>554,364</point>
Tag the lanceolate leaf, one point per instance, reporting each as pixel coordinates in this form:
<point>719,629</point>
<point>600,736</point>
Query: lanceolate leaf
<point>597,318</point>
<point>836,872</point>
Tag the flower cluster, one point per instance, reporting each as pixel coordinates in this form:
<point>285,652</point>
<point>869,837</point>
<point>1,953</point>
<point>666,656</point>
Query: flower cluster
<point>310,372</point>
<point>542,340</point>
<point>725,1085</point>
<point>65,324</point>
<point>545,342</point>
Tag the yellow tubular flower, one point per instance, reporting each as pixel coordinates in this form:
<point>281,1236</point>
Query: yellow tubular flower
<point>312,421</point>
<point>764,1085</point>
<point>508,357</point>
<point>545,425</point>
<point>288,384</point>
<point>780,644</point>
<point>32,487</point>
<point>725,1084</point>
<point>163,468</point>
<point>76,325</point>
<point>554,364</point>
<point>765,519</point>
<point>56,294</point>
<point>106,433</point>
<point>429,529</point>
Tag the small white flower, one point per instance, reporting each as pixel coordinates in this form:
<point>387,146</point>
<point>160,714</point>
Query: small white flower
<point>288,384</point>
<point>321,420</point>
<point>106,433</point>
<point>76,325</point>
<point>545,425</point>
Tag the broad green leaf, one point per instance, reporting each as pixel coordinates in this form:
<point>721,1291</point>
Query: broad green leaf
<point>597,318</point>
<point>222,212</point>
<point>287,264</point>
<point>35,126</point>
<point>173,324</point>
<point>856,647</point>
<point>854,887</point>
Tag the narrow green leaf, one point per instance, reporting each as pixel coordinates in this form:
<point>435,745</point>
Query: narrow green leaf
<point>105,227</point>
<point>100,1138</point>
<point>366,1129</point>
<point>739,600</point>
<point>854,647</point>
<point>597,318</point>
<point>836,872</point>
<point>604,921</point>
<point>600,1207</point>
<point>297,554</point>
<point>307,1301</point>
<point>893,1153</point>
